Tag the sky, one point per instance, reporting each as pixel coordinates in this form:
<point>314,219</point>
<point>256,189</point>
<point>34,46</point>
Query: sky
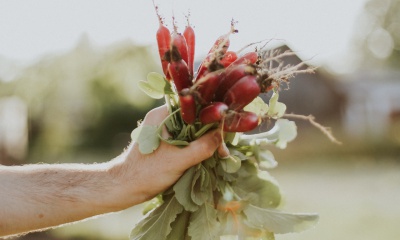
<point>320,31</point>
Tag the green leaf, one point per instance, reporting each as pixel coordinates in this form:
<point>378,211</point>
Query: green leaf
<point>201,186</point>
<point>233,227</point>
<point>276,109</point>
<point>232,138</point>
<point>231,164</point>
<point>257,106</point>
<point>175,142</point>
<point>156,225</point>
<point>287,132</point>
<point>283,132</point>
<point>152,204</point>
<point>181,190</point>
<point>179,227</point>
<point>156,86</point>
<point>264,157</point>
<point>135,133</point>
<point>257,187</point>
<point>203,223</point>
<point>278,222</point>
<point>147,138</point>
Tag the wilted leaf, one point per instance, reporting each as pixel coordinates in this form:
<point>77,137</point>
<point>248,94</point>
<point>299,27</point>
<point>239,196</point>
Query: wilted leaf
<point>156,225</point>
<point>278,222</point>
<point>203,223</point>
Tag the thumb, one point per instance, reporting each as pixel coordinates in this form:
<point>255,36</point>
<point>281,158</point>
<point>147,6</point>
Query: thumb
<point>201,149</point>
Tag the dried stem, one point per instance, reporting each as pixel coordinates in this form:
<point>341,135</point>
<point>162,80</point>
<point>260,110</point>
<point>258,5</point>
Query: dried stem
<point>311,119</point>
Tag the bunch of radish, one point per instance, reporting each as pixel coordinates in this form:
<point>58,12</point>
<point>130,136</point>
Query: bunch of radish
<point>221,87</point>
<point>230,197</point>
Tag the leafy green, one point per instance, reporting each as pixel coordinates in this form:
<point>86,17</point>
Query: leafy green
<point>151,204</point>
<point>157,223</point>
<point>283,132</point>
<point>180,226</point>
<point>230,164</point>
<point>287,132</point>
<point>276,109</point>
<point>203,224</point>
<point>257,106</point>
<point>278,222</point>
<point>201,186</point>
<point>181,190</point>
<point>146,137</point>
<point>156,86</point>
<point>265,158</point>
<point>257,187</point>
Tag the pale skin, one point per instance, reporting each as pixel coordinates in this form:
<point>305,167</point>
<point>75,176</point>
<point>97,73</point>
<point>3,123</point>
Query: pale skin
<point>41,196</point>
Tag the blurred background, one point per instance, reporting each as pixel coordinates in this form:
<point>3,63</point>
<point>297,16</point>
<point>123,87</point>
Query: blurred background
<point>68,93</point>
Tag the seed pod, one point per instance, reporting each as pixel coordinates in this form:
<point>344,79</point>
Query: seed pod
<point>240,121</point>
<point>242,93</point>
<point>213,113</point>
<point>188,108</point>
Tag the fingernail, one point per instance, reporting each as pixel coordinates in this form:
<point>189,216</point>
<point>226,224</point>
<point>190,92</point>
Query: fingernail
<point>217,136</point>
<point>223,150</point>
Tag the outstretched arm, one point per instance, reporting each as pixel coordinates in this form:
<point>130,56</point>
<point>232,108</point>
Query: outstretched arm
<point>40,196</point>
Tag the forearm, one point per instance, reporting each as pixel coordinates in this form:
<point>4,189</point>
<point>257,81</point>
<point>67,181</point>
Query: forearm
<point>36,197</point>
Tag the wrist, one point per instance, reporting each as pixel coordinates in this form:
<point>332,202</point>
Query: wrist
<point>127,190</point>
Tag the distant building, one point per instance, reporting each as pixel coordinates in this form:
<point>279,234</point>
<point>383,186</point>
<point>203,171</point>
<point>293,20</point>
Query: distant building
<point>372,103</point>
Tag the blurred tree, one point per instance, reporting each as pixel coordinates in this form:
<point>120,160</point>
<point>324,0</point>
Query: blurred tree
<point>87,97</point>
<point>377,34</point>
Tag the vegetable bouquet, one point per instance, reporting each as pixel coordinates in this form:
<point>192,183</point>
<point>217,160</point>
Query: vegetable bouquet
<point>230,197</point>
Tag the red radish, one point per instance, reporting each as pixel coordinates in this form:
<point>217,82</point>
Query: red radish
<point>232,75</point>
<point>178,41</point>
<point>247,58</point>
<point>201,71</point>
<point>240,121</point>
<point>191,41</point>
<point>179,72</point>
<point>213,113</point>
<point>208,85</point>
<point>242,93</point>
<point>188,108</point>
<point>163,42</point>
<point>223,42</point>
<point>228,58</point>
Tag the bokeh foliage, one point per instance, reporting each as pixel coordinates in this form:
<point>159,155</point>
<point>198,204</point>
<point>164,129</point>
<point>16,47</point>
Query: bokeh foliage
<point>85,99</point>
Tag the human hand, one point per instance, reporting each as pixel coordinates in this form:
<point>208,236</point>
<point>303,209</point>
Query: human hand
<point>142,177</point>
